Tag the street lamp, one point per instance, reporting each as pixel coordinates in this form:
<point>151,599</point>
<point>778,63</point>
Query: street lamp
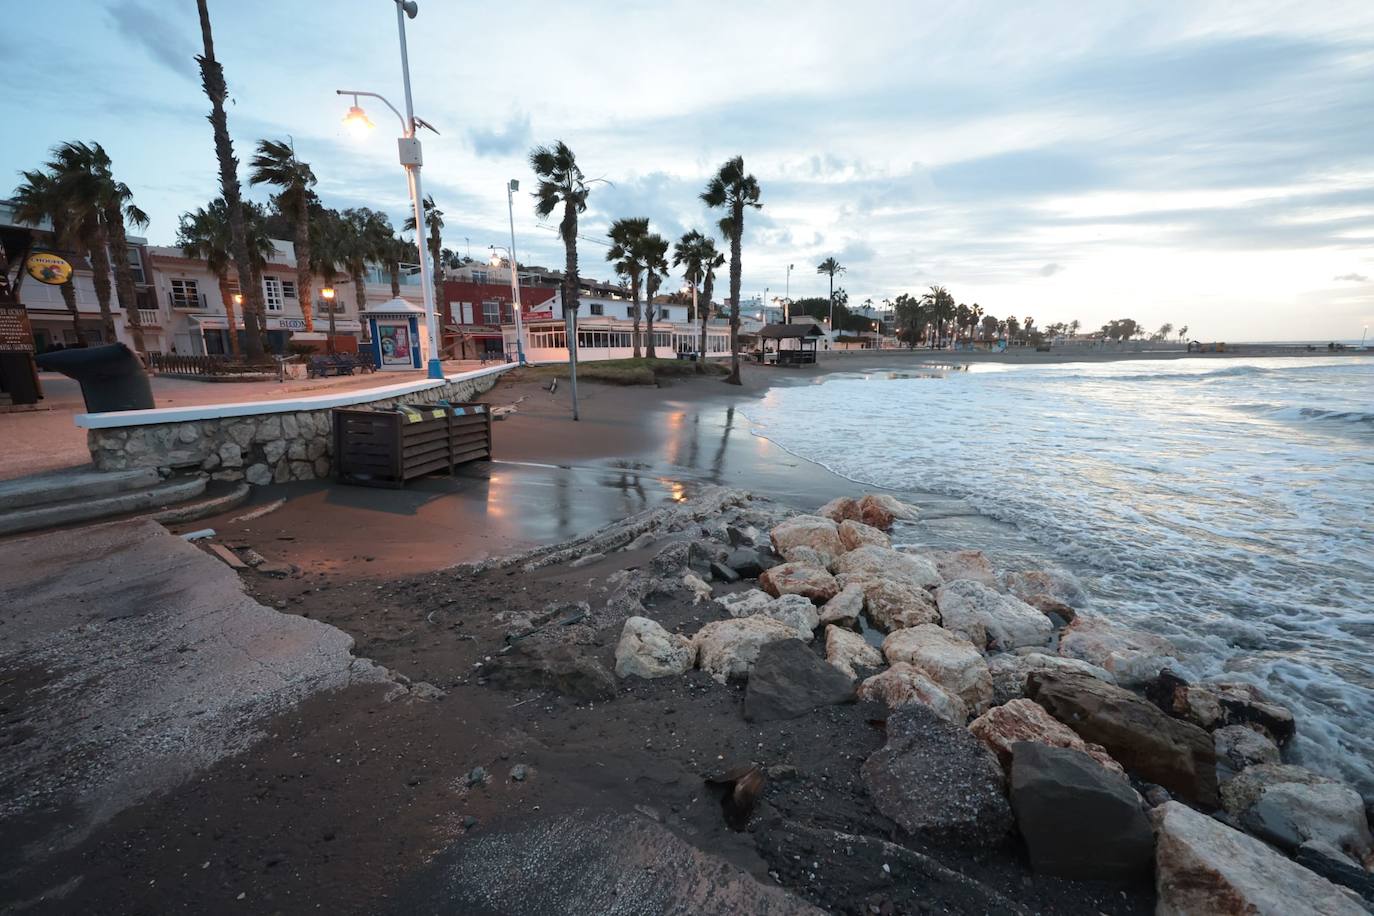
<point>411,160</point>
<point>787,297</point>
<point>511,187</point>
<point>233,332</point>
<point>514,297</point>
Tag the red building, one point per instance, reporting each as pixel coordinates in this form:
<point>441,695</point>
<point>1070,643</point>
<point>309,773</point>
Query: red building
<point>472,315</point>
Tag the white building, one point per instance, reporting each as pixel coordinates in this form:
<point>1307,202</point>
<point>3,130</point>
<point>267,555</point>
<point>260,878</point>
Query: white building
<point>605,328</point>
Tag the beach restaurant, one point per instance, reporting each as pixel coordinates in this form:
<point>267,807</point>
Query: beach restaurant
<point>793,344</point>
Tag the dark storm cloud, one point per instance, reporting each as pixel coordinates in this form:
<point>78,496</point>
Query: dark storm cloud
<point>153,31</point>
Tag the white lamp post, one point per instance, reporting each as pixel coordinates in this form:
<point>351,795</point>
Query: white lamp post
<point>787,297</point>
<point>511,187</point>
<point>515,297</point>
<point>411,160</point>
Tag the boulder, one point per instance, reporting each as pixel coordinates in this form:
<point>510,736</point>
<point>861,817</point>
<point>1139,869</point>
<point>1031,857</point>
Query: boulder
<point>817,585</point>
<point>840,509</point>
<point>1132,656</point>
<point>872,563</point>
<point>880,510</point>
<point>1240,746</point>
<point>807,555</point>
<point>680,555</point>
<point>1175,754</point>
<point>938,782</point>
<point>699,587</point>
<point>990,619</point>
<point>1289,806</point>
<point>1078,820</point>
<point>951,662</point>
<point>795,611</point>
<point>1336,868</point>
<point>856,534</point>
<point>1216,704</point>
<point>1059,613</point>
<point>820,534</point>
<point>844,609</point>
<point>789,680</point>
<point>1204,866</point>
<point>1025,720</point>
<point>568,669</point>
<point>749,562</point>
<point>963,564</point>
<point>723,572</point>
<point>746,603</point>
<point>647,650</point>
<point>893,605</point>
<point>906,685</point>
<point>728,648</point>
<point>1057,583</point>
<point>847,650</point>
<point>1009,671</point>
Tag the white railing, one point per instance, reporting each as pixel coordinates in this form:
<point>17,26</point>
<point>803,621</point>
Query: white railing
<point>149,318</point>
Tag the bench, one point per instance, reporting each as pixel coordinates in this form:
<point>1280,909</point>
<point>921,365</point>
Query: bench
<point>337,364</point>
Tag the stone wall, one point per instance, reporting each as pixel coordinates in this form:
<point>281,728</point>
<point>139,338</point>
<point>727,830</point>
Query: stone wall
<point>260,448</point>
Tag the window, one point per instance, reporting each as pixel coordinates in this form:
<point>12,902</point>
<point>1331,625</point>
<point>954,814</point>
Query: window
<point>288,289</point>
<point>185,294</point>
<point>271,291</point>
<point>491,312</point>
<point>479,276</point>
<point>466,313</point>
<point>136,266</point>
<point>597,308</point>
<point>662,314</point>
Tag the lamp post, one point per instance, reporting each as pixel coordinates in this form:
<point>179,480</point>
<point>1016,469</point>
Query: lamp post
<point>511,187</point>
<point>233,333</point>
<point>327,294</point>
<point>514,298</point>
<point>787,298</point>
<point>411,160</point>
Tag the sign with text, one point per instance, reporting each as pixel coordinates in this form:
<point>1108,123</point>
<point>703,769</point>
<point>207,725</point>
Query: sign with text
<point>15,332</point>
<point>48,268</point>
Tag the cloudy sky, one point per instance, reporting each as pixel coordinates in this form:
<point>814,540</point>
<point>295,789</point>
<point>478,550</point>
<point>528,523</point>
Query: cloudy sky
<point>1208,164</point>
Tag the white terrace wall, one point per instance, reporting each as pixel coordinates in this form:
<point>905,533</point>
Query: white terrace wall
<point>275,445</point>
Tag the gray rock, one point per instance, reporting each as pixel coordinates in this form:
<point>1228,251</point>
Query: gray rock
<point>789,680</point>
<point>1239,746</point>
<point>1289,806</point>
<point>259,475</point>
<point>274,450</point>
<point>282,472</point>
<point>321,467</point>
<point>296,450</point>
<point>1078,820</point>
<point>315,448</point>
<point>477,776</point>
<point>230,455</point>
<point>1335,868</point>
<point>269,428</point>
<point>519,772</point>
<point>938,782</point>
<point>571,670</point>
<point>723,572</point>
<point>302,470</point>
<point>745,561</point>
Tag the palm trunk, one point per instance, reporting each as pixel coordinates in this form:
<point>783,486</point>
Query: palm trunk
<point>100,279</point>
<point>227,297</point>
<point>360,300</point>
<point>436,251</point>
<point>212,79</point>
<point>393,267</point>
<point>832,302</point>
<point>305,280</point>
<point>124,275</point>
<point>69,299</point>
<point>737,218</point>
<point>650,289</point>
<point>570,292</point>
<point>703,314</point>
<point>634,335</point>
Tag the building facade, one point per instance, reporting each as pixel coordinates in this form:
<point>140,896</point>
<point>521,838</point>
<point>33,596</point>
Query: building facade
<point>605,330</point>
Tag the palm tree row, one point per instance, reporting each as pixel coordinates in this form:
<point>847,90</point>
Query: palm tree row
<point>77,193</point>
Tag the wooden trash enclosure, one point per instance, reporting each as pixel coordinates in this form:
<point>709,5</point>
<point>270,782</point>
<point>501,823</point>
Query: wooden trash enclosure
<point>386,447</point>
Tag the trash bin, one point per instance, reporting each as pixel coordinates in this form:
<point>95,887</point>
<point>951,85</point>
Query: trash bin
<point>111,377</point>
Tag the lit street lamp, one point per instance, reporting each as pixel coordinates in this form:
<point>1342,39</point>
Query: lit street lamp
<point>411,160</point>
<point>327,294</point>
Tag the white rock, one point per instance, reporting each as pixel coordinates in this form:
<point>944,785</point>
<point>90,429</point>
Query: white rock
<point>855,534</point>
<point>820,534</point>
<point>904,684</point>
<point>1203,866</point>
<point>795,611</point>
<point>963,564</point>
<point>951,662</point>
<point>847,650</point>
<point>870,563</point>
<point>746,603</point>
<point>1133,656</point>
<point>990,619</point>
<point>728,648</point>
<point>700,588</point>
<point>647,650</point>
<point>259,475</point>
<point>893,605</point>
<point>799,579</point>
<point>1057,583</point>
<point>807,556</point>
<point>1292,805</point>
<point>845,608</point>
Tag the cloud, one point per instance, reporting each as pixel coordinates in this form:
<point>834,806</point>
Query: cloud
<point>514,137</point>
<point>154,31</point>
<point>1049,270</point>
<point>1352,278</point>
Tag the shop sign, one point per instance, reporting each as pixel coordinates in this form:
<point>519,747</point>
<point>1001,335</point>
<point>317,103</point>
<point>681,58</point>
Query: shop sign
<point>48,268</point>
<point>15,331</point>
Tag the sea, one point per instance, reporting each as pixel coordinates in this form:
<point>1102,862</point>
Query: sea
<point>1225,504</point>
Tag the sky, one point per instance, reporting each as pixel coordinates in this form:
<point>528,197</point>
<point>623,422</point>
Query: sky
<point>1196,163</point>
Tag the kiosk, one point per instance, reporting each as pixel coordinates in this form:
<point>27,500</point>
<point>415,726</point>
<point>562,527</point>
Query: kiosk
<point>400,340</point>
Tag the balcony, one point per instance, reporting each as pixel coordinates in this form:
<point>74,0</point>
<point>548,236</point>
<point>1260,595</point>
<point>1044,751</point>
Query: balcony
<point>184,302</point>
<point>149,318</point>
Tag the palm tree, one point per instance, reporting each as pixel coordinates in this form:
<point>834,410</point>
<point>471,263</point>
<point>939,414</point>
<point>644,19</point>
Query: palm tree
<point>203,234</point>
<point>39,198</point>
<point>561,183</point>
<point>276,164</point>
<point>1183,332</point>
<point>364,235</point>
<point>831,266</point>
<point>696,254</point>
<point>654,251</point>
<point>975,315</point>
<point>627,236</point>
<point>734,190</point>
<point>392,251</point>
<point>212,80</point>
<point>434,222</point>
<point>940,304</point>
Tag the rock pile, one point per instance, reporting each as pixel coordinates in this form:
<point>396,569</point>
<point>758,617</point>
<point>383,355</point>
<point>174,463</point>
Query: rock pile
<point>1075,721</point>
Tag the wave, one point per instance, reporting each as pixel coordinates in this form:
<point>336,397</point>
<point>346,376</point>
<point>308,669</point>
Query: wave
<point>1324,415</point>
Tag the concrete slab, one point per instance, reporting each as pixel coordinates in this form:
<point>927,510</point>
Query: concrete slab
<point>131,659</point>
<point>94,508</point>
<point>60,486</point>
